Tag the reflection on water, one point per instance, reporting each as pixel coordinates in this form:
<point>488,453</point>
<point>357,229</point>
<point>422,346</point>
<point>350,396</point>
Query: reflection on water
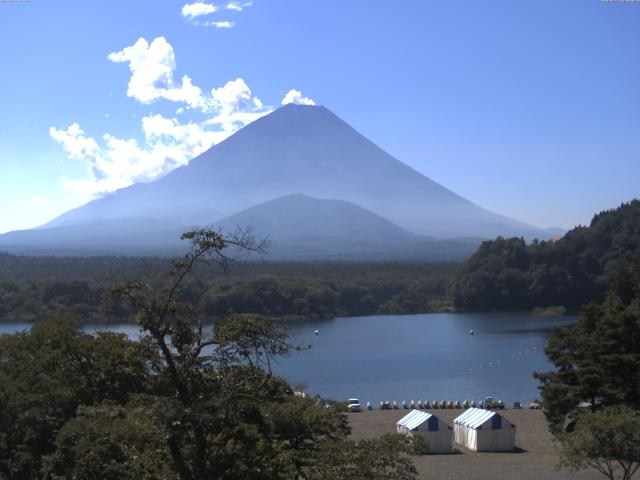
<point>413,357</point>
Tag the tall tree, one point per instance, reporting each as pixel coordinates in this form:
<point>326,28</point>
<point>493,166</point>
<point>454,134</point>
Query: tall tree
<point>224,400</point>
<point>598,359</point>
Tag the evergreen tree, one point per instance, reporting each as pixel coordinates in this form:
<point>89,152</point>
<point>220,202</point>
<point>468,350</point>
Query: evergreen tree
<point>598,359</point>
<point>507,274</point>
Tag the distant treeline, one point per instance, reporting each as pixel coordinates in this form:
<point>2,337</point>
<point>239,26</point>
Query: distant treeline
<point>504,274</point>
<point>508,274</point>
<point>81,288</point>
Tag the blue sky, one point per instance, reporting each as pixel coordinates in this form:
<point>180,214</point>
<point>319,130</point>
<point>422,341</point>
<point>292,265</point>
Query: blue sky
<point>529,108</point>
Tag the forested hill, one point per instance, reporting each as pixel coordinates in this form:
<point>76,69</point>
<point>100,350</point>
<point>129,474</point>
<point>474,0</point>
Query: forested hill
<point>34,288</point>
<point>572,271</point>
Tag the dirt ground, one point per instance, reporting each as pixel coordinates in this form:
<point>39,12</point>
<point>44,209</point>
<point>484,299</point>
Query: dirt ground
<point>535,457</point>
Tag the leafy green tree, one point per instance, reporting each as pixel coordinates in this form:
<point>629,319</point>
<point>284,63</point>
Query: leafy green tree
<point>46,374</point>
<point>108,441</point>
<point>303,424</point>
<point>385,458</point>
<point>598,359</point>
<point>607,440</point>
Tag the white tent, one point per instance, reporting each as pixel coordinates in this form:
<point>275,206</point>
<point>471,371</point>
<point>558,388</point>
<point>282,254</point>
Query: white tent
<point>484,431</point>
<point>437,434</point>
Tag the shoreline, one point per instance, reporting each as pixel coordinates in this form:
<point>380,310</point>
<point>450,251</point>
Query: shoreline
<point>294,318</point>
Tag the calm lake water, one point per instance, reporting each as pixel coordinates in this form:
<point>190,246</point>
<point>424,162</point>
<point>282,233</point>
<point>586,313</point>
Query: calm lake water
<point>414,357</point>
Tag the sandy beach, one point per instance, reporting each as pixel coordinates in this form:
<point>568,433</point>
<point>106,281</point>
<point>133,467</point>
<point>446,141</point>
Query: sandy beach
<point>536,456</point>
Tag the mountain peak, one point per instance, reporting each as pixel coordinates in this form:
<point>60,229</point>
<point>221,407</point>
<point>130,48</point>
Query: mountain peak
<point>293,114</point>
<point>298,106</point>
<point>298,216</point>
<point>302,149</point>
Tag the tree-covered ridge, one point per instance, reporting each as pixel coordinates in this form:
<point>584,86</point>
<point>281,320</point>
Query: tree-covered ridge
<point>598,359</point>
<point>571,271</point>
<point>291,290</point>
<point>592,397</point>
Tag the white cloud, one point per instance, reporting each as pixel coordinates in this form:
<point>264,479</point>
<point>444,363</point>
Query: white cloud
<point>35,202</point>
<point>114,163</point>
<point>221,24</point>
<point>192,11</point>
<point>235,105</point>
<point>118,163</point>
<point>75,143</point>
<point>295,96</point>
<point>237,6</point>
<point>152,66</point>
<point>197,9</point>
<point>190,137</point>
<point>167,143</point>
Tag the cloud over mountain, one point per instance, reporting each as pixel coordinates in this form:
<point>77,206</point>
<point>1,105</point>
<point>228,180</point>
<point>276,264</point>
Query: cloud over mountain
<point>295,96</point>
<point>118,163</point>
<point>300,175</point>
<point>301,149</point>
<point>152,66</point>
<point>166,142</point>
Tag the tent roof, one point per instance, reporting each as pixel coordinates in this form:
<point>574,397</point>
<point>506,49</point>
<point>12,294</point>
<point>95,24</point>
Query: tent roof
<point>474,417</point>
<point>413,419</point>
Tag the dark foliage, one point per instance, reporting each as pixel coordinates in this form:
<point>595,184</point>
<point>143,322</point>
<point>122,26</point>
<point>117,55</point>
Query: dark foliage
<point>598,360</point>
<point>80,287</point>
<point>607,441</point>
<point>508,274</point>
<point>46,374</point>
<point>189,401</point>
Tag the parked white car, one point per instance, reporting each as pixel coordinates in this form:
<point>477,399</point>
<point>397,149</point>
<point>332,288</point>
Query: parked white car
<point>353,405</point>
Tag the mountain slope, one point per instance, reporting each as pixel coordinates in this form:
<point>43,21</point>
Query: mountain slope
<point>300,218</point>
<point>126,236</point>
<point>300,227</point>
<point>297,226</point>
<point>308,150</point>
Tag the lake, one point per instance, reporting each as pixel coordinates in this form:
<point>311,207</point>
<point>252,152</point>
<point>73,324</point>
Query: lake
<point>414,357</point>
